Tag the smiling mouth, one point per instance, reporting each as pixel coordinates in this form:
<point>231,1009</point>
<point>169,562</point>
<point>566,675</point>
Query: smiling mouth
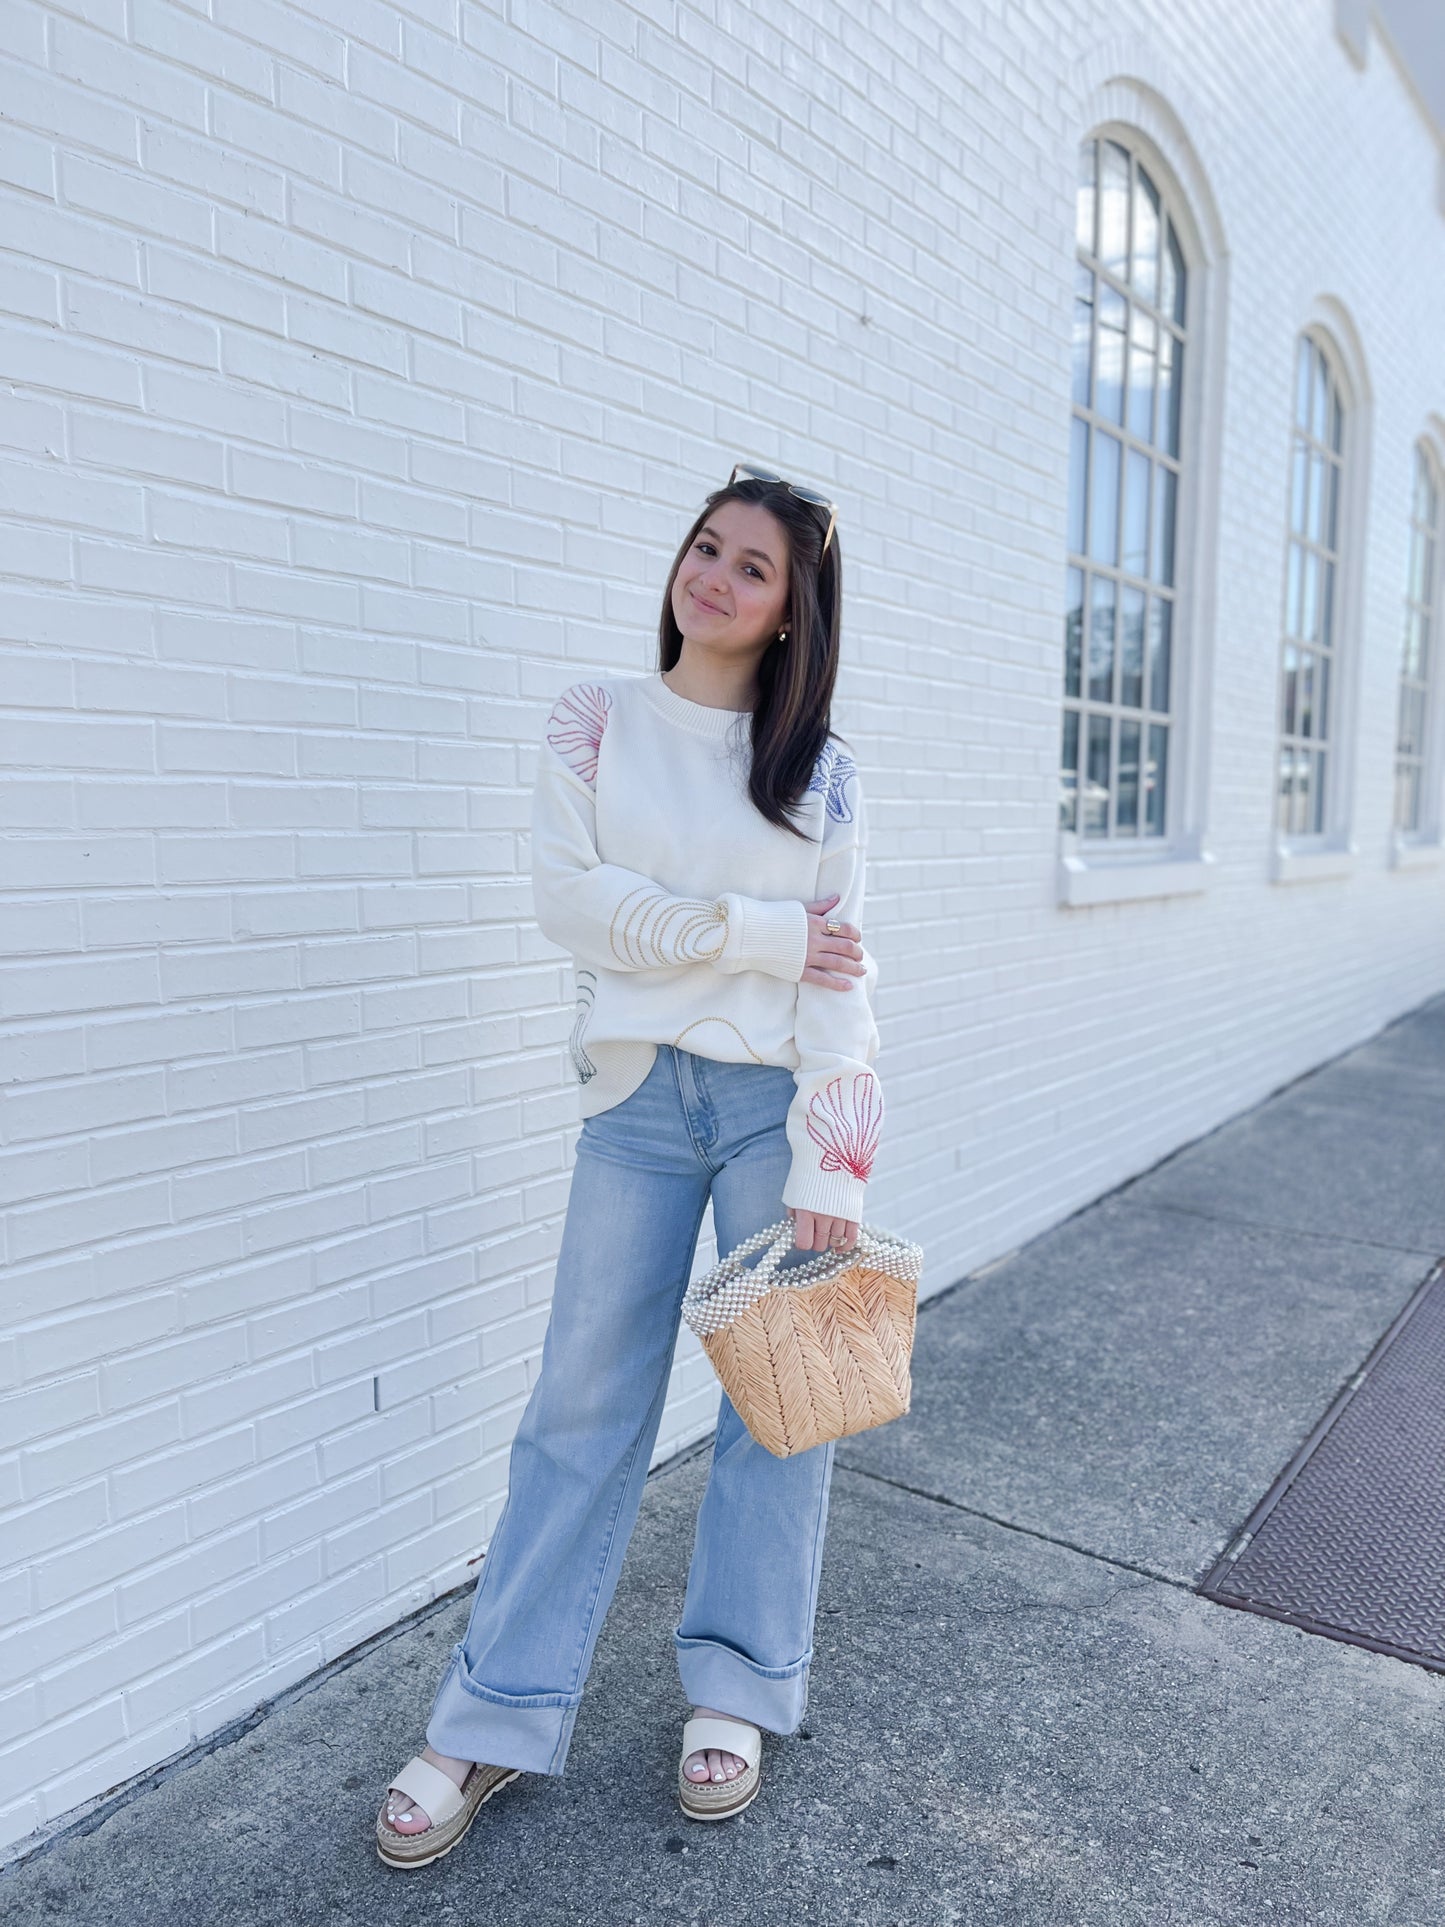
<point>703,603</point>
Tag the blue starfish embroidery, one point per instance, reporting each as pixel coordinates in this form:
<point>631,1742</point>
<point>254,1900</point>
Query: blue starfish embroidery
<point>835,770</point>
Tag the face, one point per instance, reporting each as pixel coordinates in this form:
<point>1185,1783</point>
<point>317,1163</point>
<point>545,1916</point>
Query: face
<point>730,593</point>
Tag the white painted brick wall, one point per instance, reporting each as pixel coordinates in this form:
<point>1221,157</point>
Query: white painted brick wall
<point>363,363</point>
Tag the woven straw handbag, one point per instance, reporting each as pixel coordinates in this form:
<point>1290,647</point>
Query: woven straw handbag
<point>817,1351</point>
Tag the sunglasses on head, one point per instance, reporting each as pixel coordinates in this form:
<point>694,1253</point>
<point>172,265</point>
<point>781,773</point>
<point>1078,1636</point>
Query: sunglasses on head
<point>750,472</point>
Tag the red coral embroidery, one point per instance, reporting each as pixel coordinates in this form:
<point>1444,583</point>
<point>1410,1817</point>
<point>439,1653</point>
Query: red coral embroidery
<point>847,1128</point>
<point>574,729</point>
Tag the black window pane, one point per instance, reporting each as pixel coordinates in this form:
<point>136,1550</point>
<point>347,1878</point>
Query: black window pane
<point>1161,615</point>
<point>1109,349</point>
<point>1307,669</point>
<point>1285,814</point>
<point>1290,714</point>
<point>1319,397</point>
<point>1127,811</point>
<point>1101,641</point>
<point>1114,207</point>
<point>1171,387</point>
<point>1096,788</point>
<point>1131,659</point>
<point>1299,494</point>
<point>1137,477</point>
<point>1306,789</point>
<point>1073,631</point>
<point>1173,298</point>
<point>1156,779</point>
<point>1104,500</point>
<point>1407,796</point>
<point>1069,772</point>
<point>1315,519</point>
<point>1164,494</point>
<point>1078,483</point>
<point>1083,332</point>
<point>1144,272</point>
<point>1412,718</point>
<point>1086,197</point>
<point>1143,355</point>
<point>1310,598</point>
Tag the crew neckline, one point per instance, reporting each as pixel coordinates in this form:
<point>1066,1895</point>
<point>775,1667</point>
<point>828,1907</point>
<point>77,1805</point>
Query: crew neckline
<point>701,718</point>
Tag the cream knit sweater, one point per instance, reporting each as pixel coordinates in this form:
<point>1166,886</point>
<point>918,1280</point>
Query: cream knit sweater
<point>683,909</point>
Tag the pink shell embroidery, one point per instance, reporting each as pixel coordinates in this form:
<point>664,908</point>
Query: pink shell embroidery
<point>846,1127</point>
<point>574,729</point>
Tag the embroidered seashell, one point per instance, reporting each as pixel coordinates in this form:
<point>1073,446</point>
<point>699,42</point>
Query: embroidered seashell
<point>846,1124</point>
<point>574,729</point>
<point>832,776</point>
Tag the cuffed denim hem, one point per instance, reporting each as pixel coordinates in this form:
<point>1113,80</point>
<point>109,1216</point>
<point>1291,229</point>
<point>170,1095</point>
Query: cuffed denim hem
<point>718,1675</point>
<point>471,1722</point>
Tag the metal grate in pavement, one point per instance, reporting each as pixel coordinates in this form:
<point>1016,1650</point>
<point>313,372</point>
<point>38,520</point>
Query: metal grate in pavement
<point>1349,1541</point>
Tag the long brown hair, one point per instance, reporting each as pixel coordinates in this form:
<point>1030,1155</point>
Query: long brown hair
<point>791,721</point>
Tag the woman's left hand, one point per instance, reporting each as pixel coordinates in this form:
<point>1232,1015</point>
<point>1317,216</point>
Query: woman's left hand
<point>812,1232</point>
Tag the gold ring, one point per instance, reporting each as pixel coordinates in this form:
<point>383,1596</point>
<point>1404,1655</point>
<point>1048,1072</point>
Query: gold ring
<point>833,929</point>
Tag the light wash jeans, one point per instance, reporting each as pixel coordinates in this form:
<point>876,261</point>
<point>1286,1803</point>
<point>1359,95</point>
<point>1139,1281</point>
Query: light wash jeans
<point>643,1175</point>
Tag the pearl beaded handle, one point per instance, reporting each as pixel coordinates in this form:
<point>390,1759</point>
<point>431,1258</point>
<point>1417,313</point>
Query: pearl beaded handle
<point>726,1291</point>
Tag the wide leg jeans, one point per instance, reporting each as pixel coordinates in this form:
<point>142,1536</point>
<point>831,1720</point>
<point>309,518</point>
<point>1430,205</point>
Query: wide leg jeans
<point>695,1127</point>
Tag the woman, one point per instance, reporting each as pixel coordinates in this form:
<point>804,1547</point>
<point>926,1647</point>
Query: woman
<point>723,1041</point>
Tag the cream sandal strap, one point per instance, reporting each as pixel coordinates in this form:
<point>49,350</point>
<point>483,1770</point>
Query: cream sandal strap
<point>727,1736</point>
<point>434,1793</point>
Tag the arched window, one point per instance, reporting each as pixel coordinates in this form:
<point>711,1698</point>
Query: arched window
<point>1310,657</point>
<point>1120,671</point>
<point>1415,749</point>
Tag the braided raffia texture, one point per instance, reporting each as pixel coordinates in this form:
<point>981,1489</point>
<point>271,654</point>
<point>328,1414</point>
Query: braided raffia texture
<point>806,1364</point>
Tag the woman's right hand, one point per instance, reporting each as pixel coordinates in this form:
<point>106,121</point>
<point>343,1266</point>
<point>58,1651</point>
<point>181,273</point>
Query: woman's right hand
<point>829,955</point>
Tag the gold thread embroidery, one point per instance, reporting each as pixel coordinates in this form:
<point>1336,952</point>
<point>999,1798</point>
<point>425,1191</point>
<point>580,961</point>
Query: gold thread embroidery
<point>582,1064</point>
<point>678,1043</point>
<point>648,931</point>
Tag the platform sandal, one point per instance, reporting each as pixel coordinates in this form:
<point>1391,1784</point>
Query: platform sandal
<point>450,1811</point>
<point>719,1799</point>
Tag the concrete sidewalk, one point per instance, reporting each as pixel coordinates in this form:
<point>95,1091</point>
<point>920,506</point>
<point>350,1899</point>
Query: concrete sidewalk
<point>1021,1712</point>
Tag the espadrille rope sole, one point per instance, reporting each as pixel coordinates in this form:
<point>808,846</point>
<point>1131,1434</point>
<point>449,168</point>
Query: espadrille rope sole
<point>450,1817</point>
<point>719,1799</point>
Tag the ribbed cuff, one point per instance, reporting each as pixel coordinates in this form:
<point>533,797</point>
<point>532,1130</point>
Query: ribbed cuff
<point>831,1194</point>
<point>767,936</point>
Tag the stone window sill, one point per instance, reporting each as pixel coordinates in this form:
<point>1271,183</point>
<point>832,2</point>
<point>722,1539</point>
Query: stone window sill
<point>1412,853</point>
<point>1312,862</point>
<point>1128,876</point>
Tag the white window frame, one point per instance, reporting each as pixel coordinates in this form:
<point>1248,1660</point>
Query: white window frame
<point>1178,863</point>
<point>1330,852</point>
<point>1423,847</point>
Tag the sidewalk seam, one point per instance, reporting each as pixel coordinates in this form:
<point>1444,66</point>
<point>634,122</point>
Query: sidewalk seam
<point>1283,1230</point>
<point>1027,1532</point>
